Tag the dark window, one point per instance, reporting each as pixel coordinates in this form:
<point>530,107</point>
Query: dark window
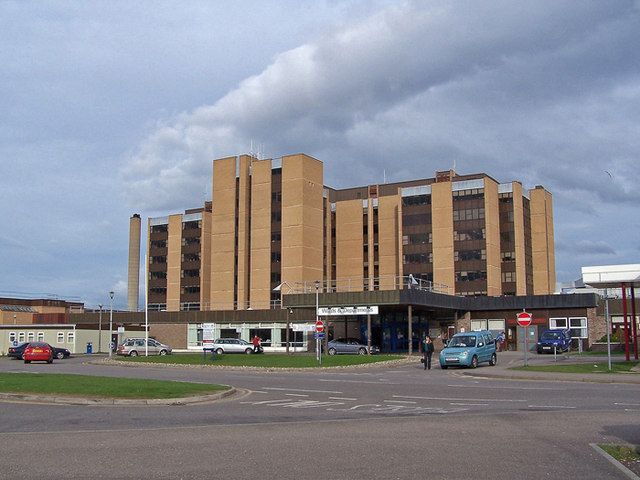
<point>416,200</point>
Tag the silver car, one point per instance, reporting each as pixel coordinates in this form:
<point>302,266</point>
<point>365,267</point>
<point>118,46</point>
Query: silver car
<point>133,347</point>
<point>349,345</point>
<point>232,345</point>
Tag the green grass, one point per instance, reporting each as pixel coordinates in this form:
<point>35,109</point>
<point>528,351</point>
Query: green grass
<point>596,367</point>
<point>268,360</point>
<point>597,354</point>
<point>98,387</point>
<point>622,453</point>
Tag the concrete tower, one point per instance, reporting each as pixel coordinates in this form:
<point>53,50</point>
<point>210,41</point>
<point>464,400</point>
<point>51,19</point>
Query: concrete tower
<point>133,284</point>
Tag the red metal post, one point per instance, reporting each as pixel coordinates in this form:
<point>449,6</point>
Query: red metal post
<point>626,325</point>
<point>634,328</point>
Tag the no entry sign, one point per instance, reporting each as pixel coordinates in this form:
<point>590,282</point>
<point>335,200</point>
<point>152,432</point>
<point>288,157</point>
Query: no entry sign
<point>524,319</point>
<point>319,326</point>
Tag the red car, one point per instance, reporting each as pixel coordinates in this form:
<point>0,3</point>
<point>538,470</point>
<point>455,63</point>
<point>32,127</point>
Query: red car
<point>38,351</point>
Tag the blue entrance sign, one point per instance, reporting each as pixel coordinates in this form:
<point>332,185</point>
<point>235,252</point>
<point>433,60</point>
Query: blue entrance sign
<point>318,335</point>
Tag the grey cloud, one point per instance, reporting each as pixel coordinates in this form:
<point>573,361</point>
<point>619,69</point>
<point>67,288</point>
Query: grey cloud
<point>587,247</point>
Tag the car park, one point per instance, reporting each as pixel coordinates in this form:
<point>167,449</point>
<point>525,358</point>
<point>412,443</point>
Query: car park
<point>468,349</point>
<point>38,352</point>
<point>231,345</point>
<point>132,347</point>
<point>554,340</point>
<point>349,345</point>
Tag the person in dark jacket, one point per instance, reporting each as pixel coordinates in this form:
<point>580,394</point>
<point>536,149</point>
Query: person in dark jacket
<point>427,352</point>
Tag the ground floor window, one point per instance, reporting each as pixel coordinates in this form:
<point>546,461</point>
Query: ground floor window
<point>577,325</point>
<point>273,335</point>
<point>40,336</point>
<point>60,337</point>
<point>263,333</point>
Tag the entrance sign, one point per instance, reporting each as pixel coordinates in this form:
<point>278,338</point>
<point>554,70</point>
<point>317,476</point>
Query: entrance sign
<point>303,327</point>
<point>524,319</point>
<point>335,311</point>
<point>319,326</point>
<point>207,334</point>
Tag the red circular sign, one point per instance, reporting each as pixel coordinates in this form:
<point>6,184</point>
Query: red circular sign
<point>524,319</point>
<point>319,326</point>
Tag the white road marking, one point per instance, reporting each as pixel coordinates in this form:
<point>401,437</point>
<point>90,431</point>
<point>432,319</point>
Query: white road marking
<point>458,399</point>
<point>357,381</point>
<point>296,395</point>
<point>470,404</point>
<point>258,391</point>
<point>549,406</point>
<point>342,398</point>
<point>300,390</point>
<point>628,404</point>
<point>399,401</point>
<point>502,388</point>
<point>631,410</point>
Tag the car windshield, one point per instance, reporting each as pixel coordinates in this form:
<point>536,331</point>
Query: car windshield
<point>463,341</point>
<point>551,336</point>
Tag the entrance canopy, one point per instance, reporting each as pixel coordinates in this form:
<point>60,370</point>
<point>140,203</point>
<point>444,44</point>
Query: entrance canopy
<point>612,276</point>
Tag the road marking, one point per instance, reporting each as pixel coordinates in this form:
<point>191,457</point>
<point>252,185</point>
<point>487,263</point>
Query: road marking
<point>470,404</point>
<point>399,401</point>
<point>549,406</point>
<point>358,381</point>
<point>628,404</point>
<point>296,394</point>
<point>503,388</point>
<point>258,391</point>
<point>460,399</point>
<point>631,410</point>
<point>342,398</point>
<point>300,390</point>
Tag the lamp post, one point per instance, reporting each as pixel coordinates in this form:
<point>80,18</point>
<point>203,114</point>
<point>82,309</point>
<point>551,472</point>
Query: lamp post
<point>288,336</point>
<point>110,323</point>
<point>100,329</point>
<point>318,349</point>
<point>607,321</point>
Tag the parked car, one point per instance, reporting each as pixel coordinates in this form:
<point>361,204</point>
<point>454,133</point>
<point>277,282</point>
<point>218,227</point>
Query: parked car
<point>133,347</point>
<point>557,339</point>
<point>349,345</point>
<point>232,345</point>
<point>17,351</point>
<point>469,349</point>
<point>60,353</point>
<point>38,351</point>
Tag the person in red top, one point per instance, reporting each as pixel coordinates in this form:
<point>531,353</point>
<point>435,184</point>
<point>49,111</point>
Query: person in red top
<point>256,344</point>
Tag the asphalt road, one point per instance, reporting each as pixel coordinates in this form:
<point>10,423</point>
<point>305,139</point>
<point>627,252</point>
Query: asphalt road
<point>393,422</point>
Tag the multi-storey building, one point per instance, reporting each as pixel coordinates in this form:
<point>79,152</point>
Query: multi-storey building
<point>273,223</point>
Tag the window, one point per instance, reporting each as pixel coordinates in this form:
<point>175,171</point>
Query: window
<point>12,337</point>
<point>478,325</point>
<point>275,257</point>
<point>191,257</point>
<point>476,234</point>
<point>71,337</point>
<point>157,275</point>
<point>31,336</point>
<point>21,337</point>
<point>276,216</point>
<point>471,276</point>
<point>468,214</point>
<point>276,236</point>
<point>508,256</point>
<point>158,259</point>
<point>508,276</point>
<point>578,326</point>
<point>464,255</point>
<point>60,337</point>
<point>158,243</point>
<point>417,258</point>
<point>496,325</point>
<point>416,200</point>
<point>557,323</point>
<point>263,333</point>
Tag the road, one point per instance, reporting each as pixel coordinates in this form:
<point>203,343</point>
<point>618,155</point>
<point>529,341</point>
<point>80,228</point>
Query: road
<point>389,422</point>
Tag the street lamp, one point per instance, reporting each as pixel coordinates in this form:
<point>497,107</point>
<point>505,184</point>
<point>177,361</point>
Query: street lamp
<point>318,350</point>
<point>288,336</point>
<point>110,323</point>
<point>100,329</point>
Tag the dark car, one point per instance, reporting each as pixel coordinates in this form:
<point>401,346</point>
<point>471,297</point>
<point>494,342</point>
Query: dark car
<point>17,351</point>
<point>349,345</point>
<point>558,340</point>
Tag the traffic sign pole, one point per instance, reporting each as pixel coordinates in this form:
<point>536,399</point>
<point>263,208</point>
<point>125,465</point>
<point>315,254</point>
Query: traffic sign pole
<point>524,320</point>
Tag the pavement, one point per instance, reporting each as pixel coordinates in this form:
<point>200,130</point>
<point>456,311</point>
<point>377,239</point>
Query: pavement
<point>507,360</point>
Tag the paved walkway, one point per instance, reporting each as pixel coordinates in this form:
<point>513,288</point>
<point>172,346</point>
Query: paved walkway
<point>506,360</point>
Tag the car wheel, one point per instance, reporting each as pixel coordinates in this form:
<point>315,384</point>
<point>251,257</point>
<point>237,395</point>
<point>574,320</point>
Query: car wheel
<point>494,360</point>
<point>444,367</point>
<point>332,351</point>
<point>163,352</point>
<point>362,351</point>
<point>60,355</point>
<point>474,362</point>
<point>219,351</point>
<point>248,351</point>
<point>133,353</point>
<point>27,361</point>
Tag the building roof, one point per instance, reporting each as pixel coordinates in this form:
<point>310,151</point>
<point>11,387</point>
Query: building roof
<point>612,276</point>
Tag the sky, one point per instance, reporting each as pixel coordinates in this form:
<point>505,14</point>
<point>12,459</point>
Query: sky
<point>114,108</point>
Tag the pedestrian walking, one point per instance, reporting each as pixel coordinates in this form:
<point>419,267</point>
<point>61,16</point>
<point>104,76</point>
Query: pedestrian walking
<point>257,344</point>
<point>427,352</point>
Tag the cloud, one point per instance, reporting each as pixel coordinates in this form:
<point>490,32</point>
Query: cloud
<point>586,247</point>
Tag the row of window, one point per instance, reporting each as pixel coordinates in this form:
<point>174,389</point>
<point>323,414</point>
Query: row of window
<point>508,276</point>
<point>417,258</point>
<point>577,325</point>
<point>417,238</point>
<point>22,337</point>
<point>470,276</point>
<point>468,214</point>
<point>468,193</point>
<point>473,234</point>
<point>464,255</point>
<point>416,200</point>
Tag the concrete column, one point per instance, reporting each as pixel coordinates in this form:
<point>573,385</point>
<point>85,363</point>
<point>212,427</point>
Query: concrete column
<point>133,277</point>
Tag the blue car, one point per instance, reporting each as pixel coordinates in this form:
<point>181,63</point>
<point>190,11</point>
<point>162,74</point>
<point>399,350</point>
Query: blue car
<point>558,340</point>
<point>469,349</point>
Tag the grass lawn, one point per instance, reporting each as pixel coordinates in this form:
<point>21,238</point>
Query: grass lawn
<point>267,360</point>
<point>596,367</point>
<point>99,387</point>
